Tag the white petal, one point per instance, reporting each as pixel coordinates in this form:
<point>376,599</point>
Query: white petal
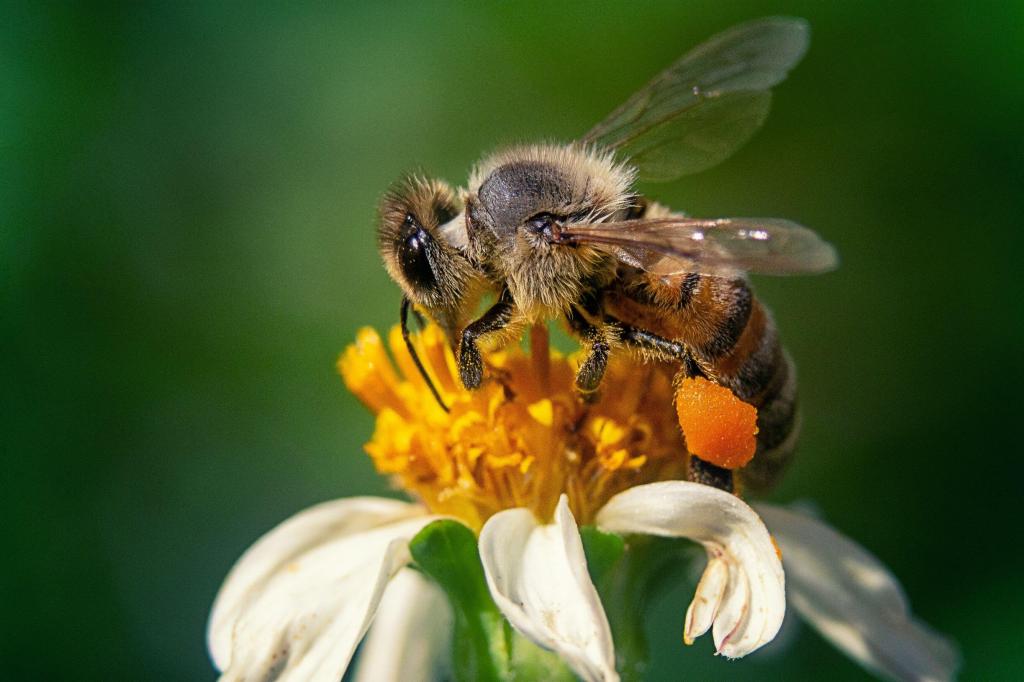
<point>297,603</point>
<point>853,600</point>
<point>411,635</point>
<point>281,545</point>
<point>538,577</point>
<point>753,602</point>
<point>706,602</point>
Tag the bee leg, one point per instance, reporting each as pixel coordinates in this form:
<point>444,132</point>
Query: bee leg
<point>648,341</point>
<point>471,364</point>
<point>662,347</point>
<point>707,473</point>
<point>599,339</point>
<point>699,471</point>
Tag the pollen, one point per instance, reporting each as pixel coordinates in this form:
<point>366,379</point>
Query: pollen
<point>524,437</point>
<point>720,428</point>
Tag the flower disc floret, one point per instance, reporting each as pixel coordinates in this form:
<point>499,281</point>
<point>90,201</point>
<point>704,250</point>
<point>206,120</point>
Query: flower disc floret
<point>522,439</point>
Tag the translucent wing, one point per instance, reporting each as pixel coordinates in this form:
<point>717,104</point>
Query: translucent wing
<point>700,110</point>
<point>720,247</point>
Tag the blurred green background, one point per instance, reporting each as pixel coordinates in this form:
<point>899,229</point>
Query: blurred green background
<point>187,198</point>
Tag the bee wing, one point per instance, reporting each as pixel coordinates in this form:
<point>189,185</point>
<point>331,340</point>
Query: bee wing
<point>702,108</point>
<point>721,247</point>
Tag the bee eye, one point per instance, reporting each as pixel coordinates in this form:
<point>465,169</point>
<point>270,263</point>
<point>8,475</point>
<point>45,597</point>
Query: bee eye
<point>412,256</point>
<point>541,223</point>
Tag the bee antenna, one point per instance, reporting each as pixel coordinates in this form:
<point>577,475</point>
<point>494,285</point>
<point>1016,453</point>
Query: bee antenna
<point>404,319</point>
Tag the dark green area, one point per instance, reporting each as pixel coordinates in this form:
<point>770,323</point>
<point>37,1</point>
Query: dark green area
<point>484,646</point>
<point>446,551</point>
<point>187,194</point>
<point>631,575</point>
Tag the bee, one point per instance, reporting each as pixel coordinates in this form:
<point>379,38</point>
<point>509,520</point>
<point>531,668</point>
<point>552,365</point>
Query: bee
<point>558,231</point>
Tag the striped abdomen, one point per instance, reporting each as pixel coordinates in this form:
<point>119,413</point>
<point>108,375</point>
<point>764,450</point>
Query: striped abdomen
<point>730,338</point>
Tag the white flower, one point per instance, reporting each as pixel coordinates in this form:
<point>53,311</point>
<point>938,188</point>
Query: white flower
<point>299,601</point>
<point>520,460</point>
<point>411,635</point>
<point>855,602</point>
<point>742,591</point>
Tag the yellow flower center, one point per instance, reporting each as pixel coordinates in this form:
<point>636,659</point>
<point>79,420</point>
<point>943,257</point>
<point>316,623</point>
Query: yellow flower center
<point>524,437</point>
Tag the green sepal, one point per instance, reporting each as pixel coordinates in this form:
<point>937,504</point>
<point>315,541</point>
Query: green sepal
<point>603,550</point>
<point>447,552</point>
<point>484,645</point>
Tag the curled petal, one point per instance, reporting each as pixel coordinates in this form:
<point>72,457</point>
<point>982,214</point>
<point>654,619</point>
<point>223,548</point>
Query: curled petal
<point>298,602</point>
<point>707,600</point>
<point>748,610</point>
<point>537,575</point>
<point>411,635</point>
<point>853,601</point>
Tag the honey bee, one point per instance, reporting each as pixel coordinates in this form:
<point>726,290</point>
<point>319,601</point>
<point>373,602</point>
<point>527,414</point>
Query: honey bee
<point>558,231</point>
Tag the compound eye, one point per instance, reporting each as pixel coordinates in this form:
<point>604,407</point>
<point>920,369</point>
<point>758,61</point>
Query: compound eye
<point>546,225</point>
<point>413,257</point>
<point>541,222</point>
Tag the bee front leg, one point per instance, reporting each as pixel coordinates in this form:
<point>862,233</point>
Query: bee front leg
<point>599,338</point>
<point>497,317</point>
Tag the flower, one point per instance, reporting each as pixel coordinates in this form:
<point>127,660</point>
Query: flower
<point>521,440</point>
<point>524,462</point>
<point>853,600</point>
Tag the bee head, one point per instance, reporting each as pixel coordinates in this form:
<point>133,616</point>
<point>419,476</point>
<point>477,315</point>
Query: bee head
<point>417,240</point>
<point>519,201</point>
<point>512,198</point>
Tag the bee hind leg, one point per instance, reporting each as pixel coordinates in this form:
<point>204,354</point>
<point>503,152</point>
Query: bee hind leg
<point>699,470</point>
<point>661,347</point>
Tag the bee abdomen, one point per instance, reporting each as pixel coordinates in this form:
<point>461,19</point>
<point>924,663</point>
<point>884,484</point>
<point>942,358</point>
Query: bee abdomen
<point>759,371</point>
<point>709,314</point>
<point>768,377</point>
<point>736,303</point>
<point>686,290</point>
<point>734,341</point>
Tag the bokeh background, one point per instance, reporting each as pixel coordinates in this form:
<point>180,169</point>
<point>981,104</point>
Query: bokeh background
<point>187,196</point>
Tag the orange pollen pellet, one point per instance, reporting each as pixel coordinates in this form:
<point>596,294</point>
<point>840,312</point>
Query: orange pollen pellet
<point>719,427</point>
